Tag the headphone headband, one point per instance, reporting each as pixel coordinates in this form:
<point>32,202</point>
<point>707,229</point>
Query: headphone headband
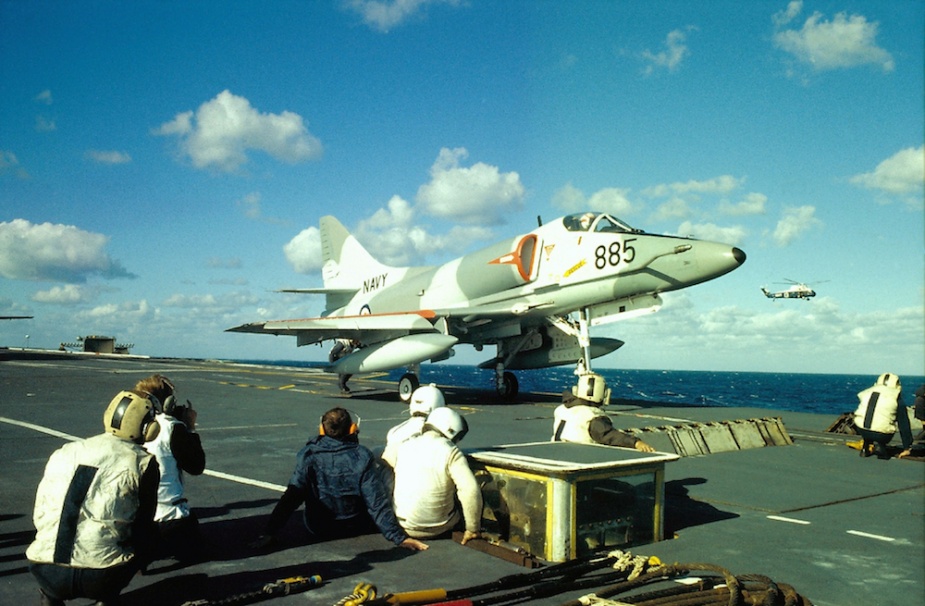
<point>352,417</point>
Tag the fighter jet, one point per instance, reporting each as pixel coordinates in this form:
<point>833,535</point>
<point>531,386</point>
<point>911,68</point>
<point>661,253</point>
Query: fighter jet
<point>534,297</point>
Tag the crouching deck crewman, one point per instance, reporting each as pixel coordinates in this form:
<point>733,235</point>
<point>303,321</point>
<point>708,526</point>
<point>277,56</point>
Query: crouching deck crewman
<point>94,508</point>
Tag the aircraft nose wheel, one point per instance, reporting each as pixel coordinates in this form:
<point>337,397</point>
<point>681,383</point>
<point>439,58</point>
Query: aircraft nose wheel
<point>508,387</point>
<point>406,386</point>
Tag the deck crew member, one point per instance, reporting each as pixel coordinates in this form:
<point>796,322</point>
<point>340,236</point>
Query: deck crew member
<point>424,400</point>
<point>879,414</point>
<point>337,480</point>
<point>580,419</point>
<point>918,442</point>
<point>94,508</point>
<point>178,450</point>
<point>342,348</point>
<point>431,475</point>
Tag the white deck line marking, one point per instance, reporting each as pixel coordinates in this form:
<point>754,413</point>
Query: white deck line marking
<point>208,472</point>
<point>242,480</point>
<point>39,428</point>
<point>867,535</point>
<point>791,520</point>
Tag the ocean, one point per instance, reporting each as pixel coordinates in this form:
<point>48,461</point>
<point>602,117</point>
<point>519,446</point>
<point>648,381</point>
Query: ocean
<point>816,393</point>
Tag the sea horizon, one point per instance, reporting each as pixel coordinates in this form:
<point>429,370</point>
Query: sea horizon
<point>821,393</point>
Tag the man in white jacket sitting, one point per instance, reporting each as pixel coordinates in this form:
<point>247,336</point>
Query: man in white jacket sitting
<point>431,473</point>
<point>424,400</point>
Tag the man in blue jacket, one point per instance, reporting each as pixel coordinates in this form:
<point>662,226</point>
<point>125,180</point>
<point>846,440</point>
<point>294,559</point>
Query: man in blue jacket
<point>337,480</point>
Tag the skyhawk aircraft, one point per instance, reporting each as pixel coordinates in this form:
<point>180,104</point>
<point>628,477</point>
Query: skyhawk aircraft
<point>534,297</point>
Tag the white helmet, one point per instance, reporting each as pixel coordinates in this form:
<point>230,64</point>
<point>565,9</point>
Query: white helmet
<point>889,380</point>
<point>593,388</point>
<point>425,399</point>
<point>448,422</point>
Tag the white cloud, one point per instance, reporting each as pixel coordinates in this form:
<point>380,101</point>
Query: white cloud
<point>794,8</point>
<point>108,157</point>
<point>62,295</point>
<point>844,42</point>
<point>250,204</point>
<point>45,125</point>
<point>480,194</point>
<point>224,129</point>
<point>684,196</point>
<point>44,97</point>
<point>54,252</point>
<point>383,15</point>
<point>734,235</point>
<point>611,200</point>
<point>9,165</point>
<point>686,327</point>
<point>304,251</point>
<point>674,208</point>
<point>902,174</point>
<point>220,263</point>
<point>671,57</point>
<point>117,313</point>
<point>753,204</point>
<point>392,236</point>
<point>722,184</point>
<point>252,207</point>
<point>794,222</point>
<point>569,199</point>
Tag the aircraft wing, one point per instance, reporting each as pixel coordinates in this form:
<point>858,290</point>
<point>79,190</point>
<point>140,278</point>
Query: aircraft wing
<point>368,329</point>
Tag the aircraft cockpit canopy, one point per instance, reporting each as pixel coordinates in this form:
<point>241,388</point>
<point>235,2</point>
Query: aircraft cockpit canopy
<point>597,222</point>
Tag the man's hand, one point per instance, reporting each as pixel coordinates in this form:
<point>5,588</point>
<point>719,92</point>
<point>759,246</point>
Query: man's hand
<point>190,416</point>
<point>469,535</point>
<point>643,447</point>
<point>414,544</point>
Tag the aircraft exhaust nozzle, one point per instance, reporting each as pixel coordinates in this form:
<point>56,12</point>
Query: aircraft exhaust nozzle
<point>387,355</point>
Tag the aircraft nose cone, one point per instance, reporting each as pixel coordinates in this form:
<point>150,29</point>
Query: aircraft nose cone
<point>738,254</point>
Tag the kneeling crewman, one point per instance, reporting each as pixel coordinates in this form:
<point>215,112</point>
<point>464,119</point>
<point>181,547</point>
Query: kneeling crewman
<point>580,419</point>
<point>94,508</point>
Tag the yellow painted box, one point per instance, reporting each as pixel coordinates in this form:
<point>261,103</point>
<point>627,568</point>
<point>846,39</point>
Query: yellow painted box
<point>560,500</point>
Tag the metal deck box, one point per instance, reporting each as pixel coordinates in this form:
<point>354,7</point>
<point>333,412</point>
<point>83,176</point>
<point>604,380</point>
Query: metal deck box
<point>560,500</point>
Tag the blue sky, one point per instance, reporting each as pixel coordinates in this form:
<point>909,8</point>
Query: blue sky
<point>163,165</point>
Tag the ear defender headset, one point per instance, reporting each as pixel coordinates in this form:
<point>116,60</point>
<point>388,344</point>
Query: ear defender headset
<point>130,416</point>
<point>351,431</point>
<point>169,406</point>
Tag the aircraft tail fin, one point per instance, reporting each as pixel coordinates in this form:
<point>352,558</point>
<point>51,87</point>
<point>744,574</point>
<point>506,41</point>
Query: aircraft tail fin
<point>346,263</point>
<point>765,291</point>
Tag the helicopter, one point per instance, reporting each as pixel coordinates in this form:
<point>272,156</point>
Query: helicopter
<point>797,290</point>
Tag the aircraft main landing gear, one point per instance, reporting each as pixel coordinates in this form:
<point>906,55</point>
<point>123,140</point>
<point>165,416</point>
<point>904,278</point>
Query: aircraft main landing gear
<point>409,382</point>
<point>506,384</point>
<point>406,386</point>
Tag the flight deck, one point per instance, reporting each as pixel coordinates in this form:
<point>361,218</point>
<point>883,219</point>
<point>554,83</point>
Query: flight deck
<point>841,529</point>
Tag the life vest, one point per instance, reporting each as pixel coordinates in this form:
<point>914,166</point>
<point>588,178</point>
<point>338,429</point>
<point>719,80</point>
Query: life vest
<point>171,502</point>
<point>86,503</point>
<point>572,424</point>
<point>877,409</point>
